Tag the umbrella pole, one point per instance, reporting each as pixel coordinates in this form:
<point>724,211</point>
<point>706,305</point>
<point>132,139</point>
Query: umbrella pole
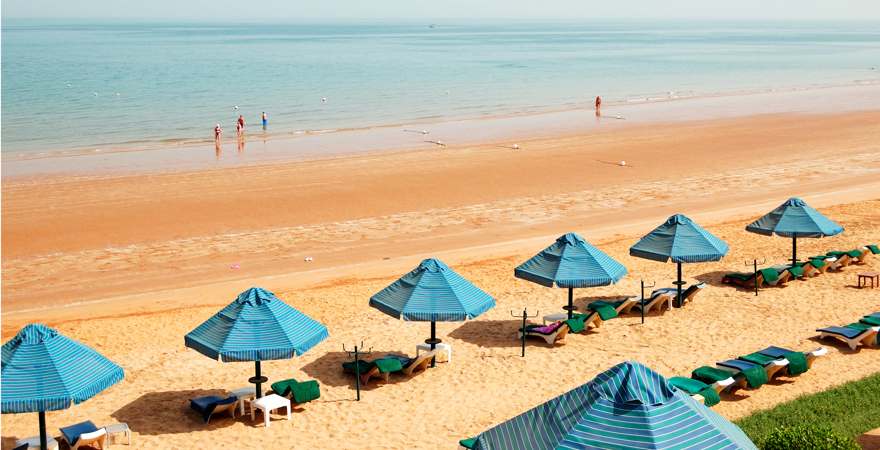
<point>433,341</point>
<point>44,445</point>
<point>794,250</point>
<point>678,284</point>
<point>570,306</point>
<point>258,379</point>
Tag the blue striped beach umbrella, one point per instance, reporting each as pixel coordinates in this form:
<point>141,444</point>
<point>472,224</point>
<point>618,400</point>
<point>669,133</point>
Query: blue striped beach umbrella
<point>432,292</point>
<point>626,407</point>
<point>257,326</point>
<point>571,262</point>
<point>681,240</point>
<point>44,370</point>
<point>795,219</point>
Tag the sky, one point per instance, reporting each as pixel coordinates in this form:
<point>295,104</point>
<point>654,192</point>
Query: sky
<point>330,10</point>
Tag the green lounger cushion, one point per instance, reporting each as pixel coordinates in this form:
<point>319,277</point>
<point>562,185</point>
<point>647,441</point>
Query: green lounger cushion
<point>873,321</point>
<point>817,263</point>
<point>576,323</point>
<point>691,386</point>
<point>770,275</point>
<point>388,365</point>
<point>874,249</point>
<point>299,391</point>
<point>797,363</point>
<point>605,310</point>
<point>363,366</point>
<point>468,443</point>
<point>755,376</point>
<point>851,253</point>
<point>796,272</point>
<point>758,358</point>
<point>739,276</point>
<point>709,375</point>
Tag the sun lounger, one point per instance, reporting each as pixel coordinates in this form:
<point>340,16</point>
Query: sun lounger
<point>720,380</point>
<point>419,363</point>
<point>700,391</point>
<point>211,405</point>
<point>658,300</point>
<point>798,362</point>
<point>381,368</point>
<point>84,434</point>
<point>553,333</point>
<point>581,322</point>
<point>34,442</point>
<point>864,254</point>
<point>771,367</point>
<point>747,279</point>
<point>622,306</point>
<point>871,319</point>
<point>852,335</point>
<point>297,391</point>
<point>686,295</point>
<point>844,258</point>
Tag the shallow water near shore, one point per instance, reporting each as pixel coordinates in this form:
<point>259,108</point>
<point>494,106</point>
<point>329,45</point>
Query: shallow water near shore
<point>100,85</point>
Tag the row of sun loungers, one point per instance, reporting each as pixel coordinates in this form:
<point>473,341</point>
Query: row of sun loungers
<point>865,332</point>
<point>815,265</point>
<point>601,311</point>
<point>748,371</point>
<point>382,368</point>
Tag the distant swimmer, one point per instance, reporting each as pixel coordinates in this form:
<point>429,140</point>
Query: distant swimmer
<point>598,103</point>
<point>323,99</point>
<point>265,118</point>
<point>235,108</point>
<point>217,132</point>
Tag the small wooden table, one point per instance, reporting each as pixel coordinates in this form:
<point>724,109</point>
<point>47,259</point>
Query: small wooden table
<point>874,277</point>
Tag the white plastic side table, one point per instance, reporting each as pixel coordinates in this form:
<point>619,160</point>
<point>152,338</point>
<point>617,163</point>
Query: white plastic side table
<point>556,317</point>
<point>270,403</point>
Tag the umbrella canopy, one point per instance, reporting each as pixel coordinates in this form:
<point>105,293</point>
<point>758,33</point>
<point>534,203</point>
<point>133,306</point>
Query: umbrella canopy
<point>432,292</point>
<point>257,326</point>
<point>681,240</point>
<point>43,370</point>
<point>628,406</point>
<point>795,219</point>
<point>571,262</point>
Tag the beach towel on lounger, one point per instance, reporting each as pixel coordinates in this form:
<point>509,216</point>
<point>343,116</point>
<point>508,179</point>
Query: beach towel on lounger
<point>691,386</point>
<point>770,275</point>
<point>754,374</point>
<point>605,310</point>
<point>709,375</point>
<point>546,329</point>
<point>758,358</point>
<point>797,361</point>
<point>871,320</point>
<point>576,323</point>
<point>874,249</point>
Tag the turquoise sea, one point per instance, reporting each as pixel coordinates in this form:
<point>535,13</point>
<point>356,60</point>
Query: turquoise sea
<point>80,84</point>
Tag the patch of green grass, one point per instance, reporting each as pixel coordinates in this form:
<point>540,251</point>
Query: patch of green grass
<point>849,409</point>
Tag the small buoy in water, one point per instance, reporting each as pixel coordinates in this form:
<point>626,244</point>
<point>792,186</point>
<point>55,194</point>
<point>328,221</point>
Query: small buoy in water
<point>235,108</point>
<point>622,163</point>
<point>323,99</point>
<point>516,146</point>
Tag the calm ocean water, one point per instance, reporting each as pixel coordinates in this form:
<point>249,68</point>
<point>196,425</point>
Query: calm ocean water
<point>70,85</point>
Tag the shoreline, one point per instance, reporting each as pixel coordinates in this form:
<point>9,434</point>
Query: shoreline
<point>260,149</point>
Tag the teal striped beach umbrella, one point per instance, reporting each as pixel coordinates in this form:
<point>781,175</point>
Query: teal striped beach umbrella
<point>571,262</point>
<point>626,407</point>
<point>795,219</point>
<point>680,240</point>
<point>44,370</point>
<point>257,326</point>
<point>432,292</point>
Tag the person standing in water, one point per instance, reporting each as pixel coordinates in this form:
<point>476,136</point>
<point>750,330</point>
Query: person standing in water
<point>217,132</point>
<point>265,119</point>
<point>240,127</point>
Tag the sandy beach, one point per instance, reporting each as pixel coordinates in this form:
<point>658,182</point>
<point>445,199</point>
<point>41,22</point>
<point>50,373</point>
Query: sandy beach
<point>130,263</point>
